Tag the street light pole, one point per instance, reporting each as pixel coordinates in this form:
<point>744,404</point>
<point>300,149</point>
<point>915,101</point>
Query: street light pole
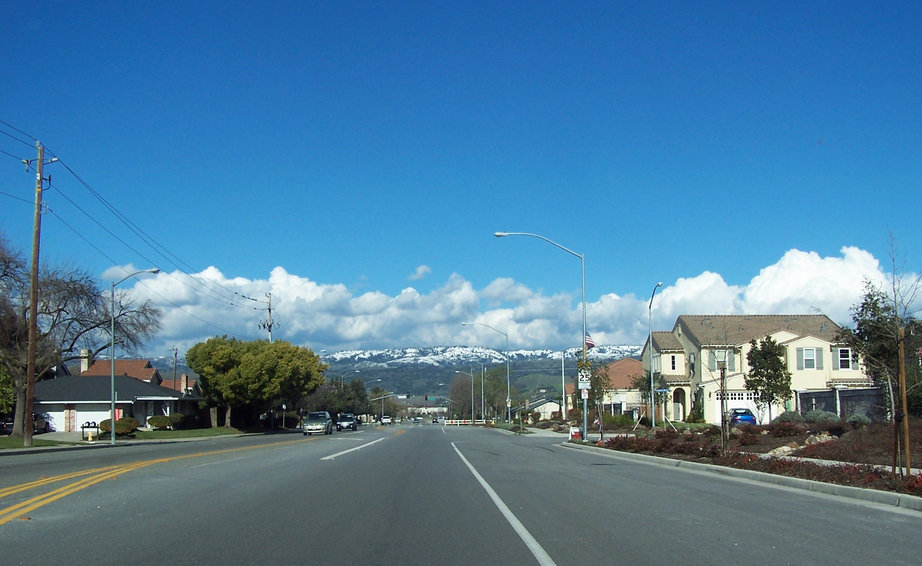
<point>112,349</point>
<point>505,355</point>
<point>652,391</point>
<point>582,261</point>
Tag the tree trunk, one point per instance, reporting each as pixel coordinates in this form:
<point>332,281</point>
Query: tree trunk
<point>19,420</point>
<point>227,417</point>
<point>213,415</point>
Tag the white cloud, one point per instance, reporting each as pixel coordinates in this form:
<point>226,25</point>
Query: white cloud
<point>329,316</point>
<point>421,272</point>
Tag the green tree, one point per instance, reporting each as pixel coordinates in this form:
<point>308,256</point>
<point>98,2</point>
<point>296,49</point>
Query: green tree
<point>768,377</point>
<point>214,361</point>
<point>874,336</point>
<point>277,370</point>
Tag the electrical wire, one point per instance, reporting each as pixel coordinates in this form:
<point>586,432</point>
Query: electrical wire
<point>212,290</point>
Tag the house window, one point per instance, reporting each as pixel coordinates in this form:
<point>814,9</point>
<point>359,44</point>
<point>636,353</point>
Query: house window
<point>845,358</point>
<point>809,358</point>
<point>672,361</point>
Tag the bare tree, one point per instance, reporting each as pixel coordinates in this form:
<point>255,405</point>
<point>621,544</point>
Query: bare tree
<point>73,313</point>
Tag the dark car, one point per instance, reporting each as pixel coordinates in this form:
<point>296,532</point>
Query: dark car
<point>346,420</point>
<point>741,417</point>
<point>39,424</point>
<point>317,421</point>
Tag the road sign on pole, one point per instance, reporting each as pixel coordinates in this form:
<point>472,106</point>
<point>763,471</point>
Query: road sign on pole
<point>585,378</point>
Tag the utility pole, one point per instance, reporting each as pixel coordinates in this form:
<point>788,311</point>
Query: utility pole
<point>33,297</point>
<point>268,324</point>
<point>175,356</point>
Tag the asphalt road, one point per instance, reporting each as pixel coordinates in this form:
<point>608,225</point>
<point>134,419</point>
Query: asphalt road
<point>416,495</point>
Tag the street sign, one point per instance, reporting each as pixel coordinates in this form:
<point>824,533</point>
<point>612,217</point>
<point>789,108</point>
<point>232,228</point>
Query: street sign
<point>585,393</point>
<point>585,378</point>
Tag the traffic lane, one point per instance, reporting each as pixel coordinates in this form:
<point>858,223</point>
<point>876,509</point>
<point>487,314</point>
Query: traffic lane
<point>212,490</point>
<point>403,495</point>
<point>648,513</point>
<point>408,500</point>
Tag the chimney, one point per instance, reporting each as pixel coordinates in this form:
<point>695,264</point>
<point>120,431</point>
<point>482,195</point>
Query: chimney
<point>84,360</point>
<point>182,382</point>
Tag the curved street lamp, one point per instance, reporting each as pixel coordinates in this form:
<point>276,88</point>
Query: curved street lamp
<point>582,261</point>
<point>505,355</point>
<point>112,349</point>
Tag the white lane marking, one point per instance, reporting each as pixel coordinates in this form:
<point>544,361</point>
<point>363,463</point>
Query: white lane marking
<point>332,456</point>
<point>536,549</point>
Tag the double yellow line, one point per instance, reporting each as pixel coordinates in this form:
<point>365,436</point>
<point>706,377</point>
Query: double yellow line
<point>87,478</point>
<point>90,477</point>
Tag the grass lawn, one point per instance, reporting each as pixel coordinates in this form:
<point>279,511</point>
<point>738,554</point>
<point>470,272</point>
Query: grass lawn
<point>38,440</point>
<point>7,442</point>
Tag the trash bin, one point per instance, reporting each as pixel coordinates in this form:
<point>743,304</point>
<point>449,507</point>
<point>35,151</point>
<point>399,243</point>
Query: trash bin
<point>576,433</point>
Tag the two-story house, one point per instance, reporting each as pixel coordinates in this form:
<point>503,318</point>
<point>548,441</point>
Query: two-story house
<point>688,359</point>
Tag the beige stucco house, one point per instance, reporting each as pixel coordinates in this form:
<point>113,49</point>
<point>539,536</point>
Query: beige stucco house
<point>688,356</point>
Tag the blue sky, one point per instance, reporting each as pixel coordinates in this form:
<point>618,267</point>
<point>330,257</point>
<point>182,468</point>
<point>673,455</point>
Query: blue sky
<point>355,158</point>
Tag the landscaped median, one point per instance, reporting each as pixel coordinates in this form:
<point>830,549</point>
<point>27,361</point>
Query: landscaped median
<point>811,459</point>
<point>895,499</point>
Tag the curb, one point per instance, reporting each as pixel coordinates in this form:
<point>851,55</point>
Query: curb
<point>901,500</point>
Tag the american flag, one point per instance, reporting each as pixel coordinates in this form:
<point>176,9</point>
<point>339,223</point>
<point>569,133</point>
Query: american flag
<point>589,342</point>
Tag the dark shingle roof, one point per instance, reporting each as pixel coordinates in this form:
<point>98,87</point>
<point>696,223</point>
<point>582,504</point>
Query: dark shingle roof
<point>97,389</point>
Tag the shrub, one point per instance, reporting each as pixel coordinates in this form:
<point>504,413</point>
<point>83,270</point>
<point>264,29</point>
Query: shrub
<point>788,417</point>
<point>858,421</point>
<point>614,422</point>
<point>818,416</point>
<point>785,428</point>
<point>835,428</point>
<point>159,422</point>
<point>749,438</point>
<point>176,420</point>
<point>123,426</point>
<point>751,429</point>
<point>696,415</point>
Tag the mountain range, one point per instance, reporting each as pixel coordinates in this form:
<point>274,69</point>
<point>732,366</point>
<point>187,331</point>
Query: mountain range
<point>428,371</point>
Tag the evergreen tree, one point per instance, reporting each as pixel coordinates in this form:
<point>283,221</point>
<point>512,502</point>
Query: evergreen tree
<point>768,377</point>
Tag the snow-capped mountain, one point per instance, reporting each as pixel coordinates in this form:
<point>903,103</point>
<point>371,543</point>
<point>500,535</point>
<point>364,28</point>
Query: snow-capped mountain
<point>459,355</point>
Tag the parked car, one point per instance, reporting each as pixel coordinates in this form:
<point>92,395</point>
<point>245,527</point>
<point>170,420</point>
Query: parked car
<point>346,420</point>
<point>317,421</point>
<point>39,424</point>
<point>741,417</point>
<point>386,419</point>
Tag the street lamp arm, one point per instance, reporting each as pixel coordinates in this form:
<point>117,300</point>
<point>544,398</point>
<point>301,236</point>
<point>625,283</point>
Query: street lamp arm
<point>540,237</point>
<point>488,326</point>
<point>154,270</point>
<point>655,287</point>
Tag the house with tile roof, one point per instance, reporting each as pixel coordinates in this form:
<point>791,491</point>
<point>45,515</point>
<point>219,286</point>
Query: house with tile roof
<point>620,396</point>
<point>688,359</point>
<point>138,369</point>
